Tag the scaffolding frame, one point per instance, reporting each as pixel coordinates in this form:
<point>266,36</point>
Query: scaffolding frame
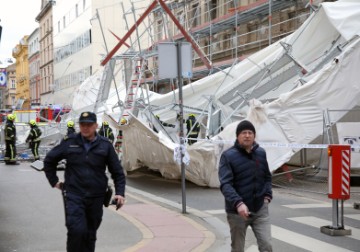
<point>207,26</point>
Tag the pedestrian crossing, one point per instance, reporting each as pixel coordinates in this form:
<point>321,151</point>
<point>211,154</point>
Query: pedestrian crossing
<point>319,205</point>
<point>305,241</point>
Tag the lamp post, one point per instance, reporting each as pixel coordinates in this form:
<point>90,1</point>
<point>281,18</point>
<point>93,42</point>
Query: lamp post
<point>6,61</point>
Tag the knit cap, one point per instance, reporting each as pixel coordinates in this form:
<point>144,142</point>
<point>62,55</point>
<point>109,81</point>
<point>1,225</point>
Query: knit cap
<point>245,125</point>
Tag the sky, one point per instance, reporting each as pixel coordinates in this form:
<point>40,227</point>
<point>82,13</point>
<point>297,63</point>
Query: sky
<point>17,20</point>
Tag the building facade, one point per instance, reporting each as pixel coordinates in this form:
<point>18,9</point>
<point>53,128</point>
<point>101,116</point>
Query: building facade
<point>34,68</point>
<point>82,39</point>
<point>20,53</point>
<point>10,89</point>
<point>45,19</point>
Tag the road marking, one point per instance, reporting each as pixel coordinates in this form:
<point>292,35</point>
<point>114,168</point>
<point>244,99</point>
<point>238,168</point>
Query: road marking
<point>219,211</point>
<point>353,216</point>
<point>300,241</point>
<point>321,205</point>
<point>303,241</point>
<point>317,222</point>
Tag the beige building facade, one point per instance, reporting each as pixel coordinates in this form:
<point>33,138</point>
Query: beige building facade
<point>20,53</point>
<point>9,101</point>
<point>46,50</point>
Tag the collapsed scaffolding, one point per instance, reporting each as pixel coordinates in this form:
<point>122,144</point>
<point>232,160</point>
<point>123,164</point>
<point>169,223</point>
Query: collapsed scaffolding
<point>214,49</point>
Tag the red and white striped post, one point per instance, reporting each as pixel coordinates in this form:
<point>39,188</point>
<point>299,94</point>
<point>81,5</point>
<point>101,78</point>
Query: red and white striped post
<point>339,157</point>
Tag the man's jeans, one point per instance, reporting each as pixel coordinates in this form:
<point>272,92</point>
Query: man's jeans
<point>260,224</point>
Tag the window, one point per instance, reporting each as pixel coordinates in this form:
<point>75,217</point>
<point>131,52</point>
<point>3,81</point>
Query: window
<point>76,10</point>
<point>58,26</point>
<point>13,84</point>
<point>64,22</point>
<point>84,4</point>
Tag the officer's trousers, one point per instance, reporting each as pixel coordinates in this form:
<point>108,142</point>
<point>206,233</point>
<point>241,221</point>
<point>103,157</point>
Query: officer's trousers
<point>83,218</point>
<point>10,152</point>
<point>35,149</point>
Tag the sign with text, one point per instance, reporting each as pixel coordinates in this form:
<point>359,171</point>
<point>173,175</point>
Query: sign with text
<point>3,77</point>
<point>349,133</point>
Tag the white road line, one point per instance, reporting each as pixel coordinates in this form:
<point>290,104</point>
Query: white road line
<point>303,241</point>
<point>219,211</point>
<point>317,222</point>
<point>353,216</point>
<point>321,205</point>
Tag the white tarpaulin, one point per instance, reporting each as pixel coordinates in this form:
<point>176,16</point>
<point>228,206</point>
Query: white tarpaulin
<point>314,69</point>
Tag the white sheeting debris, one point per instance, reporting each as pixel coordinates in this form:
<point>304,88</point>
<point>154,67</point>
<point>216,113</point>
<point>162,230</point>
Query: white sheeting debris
<point>295,116</point>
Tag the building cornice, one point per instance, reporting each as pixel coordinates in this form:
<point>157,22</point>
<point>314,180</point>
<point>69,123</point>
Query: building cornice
<point>44,10</point>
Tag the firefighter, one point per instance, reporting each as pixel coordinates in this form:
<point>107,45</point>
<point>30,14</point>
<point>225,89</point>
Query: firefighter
<point>165,124</point>
<point>119,138</point>
<point>34,139</point>
<point>193,128</point>
<point>70,128</point>
<point>106,131</point>
<point>10,140</point>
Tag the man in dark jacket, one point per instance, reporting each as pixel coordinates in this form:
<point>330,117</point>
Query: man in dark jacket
<point>10,140</point>
<point>245,182</point>
<point>106,131</point>
<point>34,139</point>
<point>87,155</point>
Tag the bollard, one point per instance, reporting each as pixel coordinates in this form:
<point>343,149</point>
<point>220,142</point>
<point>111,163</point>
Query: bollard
<point>339,157</point>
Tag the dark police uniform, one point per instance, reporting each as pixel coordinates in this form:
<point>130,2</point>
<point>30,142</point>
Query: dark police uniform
<point>85,184</point>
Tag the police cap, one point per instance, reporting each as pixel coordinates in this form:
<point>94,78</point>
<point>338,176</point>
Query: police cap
<point>87,117</point>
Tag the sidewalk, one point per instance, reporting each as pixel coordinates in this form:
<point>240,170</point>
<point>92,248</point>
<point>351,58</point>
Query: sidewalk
<point>32,217</point>
<point>163,229</point>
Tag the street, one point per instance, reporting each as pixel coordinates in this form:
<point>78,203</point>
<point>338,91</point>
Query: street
<point>32,216</point>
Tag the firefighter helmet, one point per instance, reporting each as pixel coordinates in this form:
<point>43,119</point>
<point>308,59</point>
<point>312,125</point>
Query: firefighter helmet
<point>10,117</point>
<point>70,124</point>
<point>32,122</point>
<point>123,121</point>
<point>105,123</point>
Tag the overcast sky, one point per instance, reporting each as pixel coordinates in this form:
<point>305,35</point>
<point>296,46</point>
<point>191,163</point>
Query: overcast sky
<point>17,19</point>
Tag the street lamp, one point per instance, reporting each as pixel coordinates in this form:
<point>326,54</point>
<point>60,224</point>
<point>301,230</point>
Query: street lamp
<point>7,60</point>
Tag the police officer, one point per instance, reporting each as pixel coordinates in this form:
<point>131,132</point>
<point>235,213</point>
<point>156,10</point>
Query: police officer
<point>87,154</point>
<point>10,139</point>
<point>193,128</point>
<point>106,131</point>
<point>34,139</point>
<point>70,128</point>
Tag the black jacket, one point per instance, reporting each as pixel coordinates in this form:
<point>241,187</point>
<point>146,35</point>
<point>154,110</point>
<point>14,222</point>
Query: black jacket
<point>34,134</point>
<point>107,132</point>
<point>85,170</point>
<point>244,177</point>
<point>189,125</point>
<point>70,130</point>
<point>10,131</point>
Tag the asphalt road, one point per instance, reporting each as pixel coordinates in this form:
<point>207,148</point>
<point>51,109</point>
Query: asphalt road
<point>32,216</point>
<point>296,216</point>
